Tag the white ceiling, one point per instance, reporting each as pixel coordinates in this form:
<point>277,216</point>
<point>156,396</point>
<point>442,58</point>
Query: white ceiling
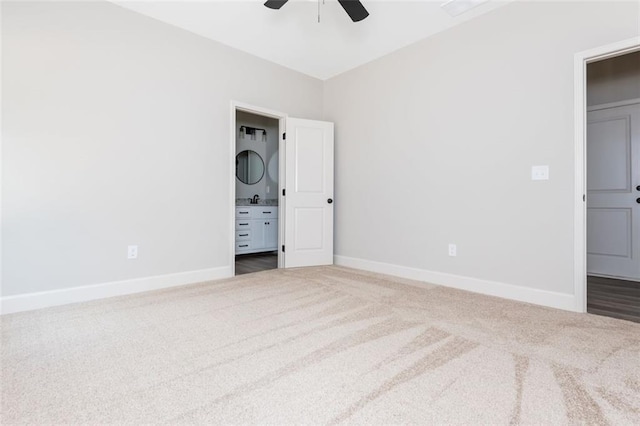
<point>292,36</point>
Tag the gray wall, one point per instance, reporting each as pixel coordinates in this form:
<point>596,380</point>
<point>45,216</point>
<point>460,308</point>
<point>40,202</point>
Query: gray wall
<point>116,131</point>
<point>264,149</point>
<point>435,143</point>
<point>615,79</point>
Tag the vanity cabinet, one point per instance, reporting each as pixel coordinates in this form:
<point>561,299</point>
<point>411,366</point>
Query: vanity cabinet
<point>256,229</point>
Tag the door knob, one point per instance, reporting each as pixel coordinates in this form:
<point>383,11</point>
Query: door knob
<point>638,188</point>
<point>331,201</point>
<point>638,200</point>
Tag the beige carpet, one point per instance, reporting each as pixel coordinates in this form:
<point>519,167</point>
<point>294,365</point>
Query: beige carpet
<point>317,346</point>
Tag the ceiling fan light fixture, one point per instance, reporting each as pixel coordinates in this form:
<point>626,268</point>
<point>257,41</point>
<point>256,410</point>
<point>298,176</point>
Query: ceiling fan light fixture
<point>458,7</point>
<point>354,8</point>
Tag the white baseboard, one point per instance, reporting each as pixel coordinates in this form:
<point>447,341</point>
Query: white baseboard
<point>491,288</point>
<point>44,299</point>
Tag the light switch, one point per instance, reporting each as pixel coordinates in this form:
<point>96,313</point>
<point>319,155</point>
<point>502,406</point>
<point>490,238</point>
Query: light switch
<point>132,252</point>
<point>539,172</point>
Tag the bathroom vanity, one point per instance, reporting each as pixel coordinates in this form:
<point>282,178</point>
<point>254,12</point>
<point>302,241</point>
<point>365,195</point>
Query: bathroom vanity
<point>256,213</point>
<point>256,229</point>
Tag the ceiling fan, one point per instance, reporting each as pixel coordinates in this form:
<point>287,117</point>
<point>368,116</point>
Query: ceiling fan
<point>354,8</point>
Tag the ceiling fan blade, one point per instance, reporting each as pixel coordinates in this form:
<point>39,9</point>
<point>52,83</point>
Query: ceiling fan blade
<point>354,9</point>
<point>275,4</point>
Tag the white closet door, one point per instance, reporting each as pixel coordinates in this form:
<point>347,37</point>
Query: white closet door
<point>613,192</point>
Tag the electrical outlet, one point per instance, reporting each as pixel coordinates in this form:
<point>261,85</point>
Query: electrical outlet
<point>539,172</point>
<point>453,250</point>
<point>132,252</point>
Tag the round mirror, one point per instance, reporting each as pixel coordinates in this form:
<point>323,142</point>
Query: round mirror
<point>272,168</point>
<point>249,167</point>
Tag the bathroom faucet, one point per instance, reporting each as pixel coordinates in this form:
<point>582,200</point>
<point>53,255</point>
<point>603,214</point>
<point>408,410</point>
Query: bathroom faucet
<point>255,199</point>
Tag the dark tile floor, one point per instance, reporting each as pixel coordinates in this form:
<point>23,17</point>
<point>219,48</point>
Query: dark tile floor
<point>613,298</point>
<point>247,263</point>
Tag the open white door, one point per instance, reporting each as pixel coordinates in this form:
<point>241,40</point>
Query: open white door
<point>308,238</point>
<point>613,197</point>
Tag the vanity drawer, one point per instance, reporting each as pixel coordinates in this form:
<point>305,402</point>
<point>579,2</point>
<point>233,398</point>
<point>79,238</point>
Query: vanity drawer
<point>242,245</point>
<point>243,212</point>
<point>265,212</point>
<point>244,235</point>
<point>242,224</point>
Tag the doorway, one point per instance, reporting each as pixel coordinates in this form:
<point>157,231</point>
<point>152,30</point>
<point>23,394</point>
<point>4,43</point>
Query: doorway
<point>257,222</point>
<point>613,186</point>
<point>302,221</point>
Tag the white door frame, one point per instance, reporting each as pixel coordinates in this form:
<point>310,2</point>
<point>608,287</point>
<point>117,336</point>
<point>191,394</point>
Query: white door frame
<point>581,59</point>
<point>281,117</point>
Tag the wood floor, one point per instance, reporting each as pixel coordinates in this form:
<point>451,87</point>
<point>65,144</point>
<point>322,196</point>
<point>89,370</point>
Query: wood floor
<point>248,263</point>
<point>613,298</point>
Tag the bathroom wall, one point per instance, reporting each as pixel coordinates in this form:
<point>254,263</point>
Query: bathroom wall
<point>267,187</point>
